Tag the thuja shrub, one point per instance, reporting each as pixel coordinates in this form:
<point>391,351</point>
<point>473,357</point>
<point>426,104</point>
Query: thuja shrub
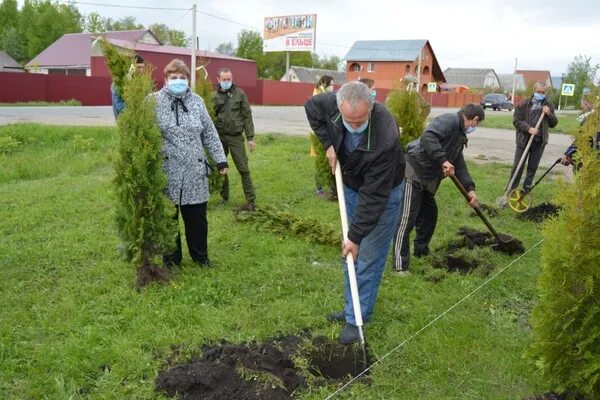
<point>406,108</point>
<point>118,62</point>
<point>566,321</point>
<point>323,176</point>
<point>204,89</point>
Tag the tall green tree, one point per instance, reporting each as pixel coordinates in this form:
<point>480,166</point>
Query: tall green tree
<point>226,48</point>
<point>127,23</point>
<point>326,62</point>
<point>12,44</point>
<point>9,15</point>
<point>169,36</point>
<point>41,23</point>
<point>566,319</point>
<point>582,73</point>
<point>94,23</point>
<point>250,46</point>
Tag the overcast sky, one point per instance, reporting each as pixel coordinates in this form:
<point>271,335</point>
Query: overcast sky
<point>542,34</point>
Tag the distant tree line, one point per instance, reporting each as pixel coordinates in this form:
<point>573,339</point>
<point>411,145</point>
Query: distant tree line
<point>26,32</point>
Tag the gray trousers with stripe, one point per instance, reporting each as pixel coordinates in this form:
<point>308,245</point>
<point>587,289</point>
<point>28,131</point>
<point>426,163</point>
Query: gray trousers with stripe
<point>417,208</point>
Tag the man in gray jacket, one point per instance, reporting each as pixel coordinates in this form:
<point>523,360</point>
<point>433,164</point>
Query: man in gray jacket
<point>436,154</point>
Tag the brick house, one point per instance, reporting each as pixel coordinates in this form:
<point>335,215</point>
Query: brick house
<point>532,76</point>
<point>389,61</point>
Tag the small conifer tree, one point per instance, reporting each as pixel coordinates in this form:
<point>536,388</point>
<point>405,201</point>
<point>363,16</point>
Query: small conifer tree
<point>143,211</point>
<point>204,89</point>
<point>323,176</point>
<point>566,321</point>
<point>405,107</point>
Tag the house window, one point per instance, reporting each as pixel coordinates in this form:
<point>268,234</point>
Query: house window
<point>426,70</point>
<point>370,67</point>
<point>355,67</point>
<point>407,69</point>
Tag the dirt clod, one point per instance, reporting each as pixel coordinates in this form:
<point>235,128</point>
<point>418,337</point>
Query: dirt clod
<point>146,274</point>
<point>487,210</point>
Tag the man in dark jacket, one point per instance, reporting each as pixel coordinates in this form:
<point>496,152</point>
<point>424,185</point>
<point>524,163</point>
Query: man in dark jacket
<point>362,134</point>
<point>436,154</point>
<point>116,95</point>
<point>524,119</point>
<point>234,117</point>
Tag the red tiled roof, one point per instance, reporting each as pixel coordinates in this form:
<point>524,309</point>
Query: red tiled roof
<point>74,48</point>
<point>184,51</point>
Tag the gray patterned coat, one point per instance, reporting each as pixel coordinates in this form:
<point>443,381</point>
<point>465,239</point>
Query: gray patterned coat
<point>187,131</point>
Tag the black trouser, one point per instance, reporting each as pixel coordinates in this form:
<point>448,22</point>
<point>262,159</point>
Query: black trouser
<point>196,234</point>
<point>417,207</point>
<point>533,161</point>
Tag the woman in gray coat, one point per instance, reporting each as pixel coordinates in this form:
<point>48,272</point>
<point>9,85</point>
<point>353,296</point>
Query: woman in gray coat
<point>187,132</point>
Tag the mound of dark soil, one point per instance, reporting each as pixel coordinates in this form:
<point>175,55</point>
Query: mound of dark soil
<point>456,263</point>
<point>146,274</point>
<point>259,371</point>
<point>487,210</point>
<point>540,213</point>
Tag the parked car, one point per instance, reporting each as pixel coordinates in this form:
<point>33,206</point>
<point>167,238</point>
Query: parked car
<point>496,101</point>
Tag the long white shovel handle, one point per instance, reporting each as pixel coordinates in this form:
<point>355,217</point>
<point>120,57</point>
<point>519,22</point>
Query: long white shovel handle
<point>349,259</point>
<point>523,157</point>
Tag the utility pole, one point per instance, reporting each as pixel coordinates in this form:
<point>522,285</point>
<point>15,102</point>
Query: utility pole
<point>514,83</point>
<point>193,66</point>
<point>287,66</point>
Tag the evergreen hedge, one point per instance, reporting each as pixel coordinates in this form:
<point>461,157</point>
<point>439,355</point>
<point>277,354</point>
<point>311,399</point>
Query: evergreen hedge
<point>566,321</point>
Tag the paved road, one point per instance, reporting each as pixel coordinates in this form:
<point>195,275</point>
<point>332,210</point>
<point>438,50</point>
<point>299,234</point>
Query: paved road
<point>484,145</point>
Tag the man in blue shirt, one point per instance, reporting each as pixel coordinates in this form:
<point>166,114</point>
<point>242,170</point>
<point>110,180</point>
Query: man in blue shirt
<point>118,104</point>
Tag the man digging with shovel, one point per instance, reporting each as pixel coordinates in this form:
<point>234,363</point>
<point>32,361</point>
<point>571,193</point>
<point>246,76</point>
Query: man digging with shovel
<point>363,136</point>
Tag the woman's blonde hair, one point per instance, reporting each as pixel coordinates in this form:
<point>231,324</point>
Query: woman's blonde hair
<point>176,66</point>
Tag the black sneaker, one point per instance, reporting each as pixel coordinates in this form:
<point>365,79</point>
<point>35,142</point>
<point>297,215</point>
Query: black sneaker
<point>339,316</point>
<point>349,334</point>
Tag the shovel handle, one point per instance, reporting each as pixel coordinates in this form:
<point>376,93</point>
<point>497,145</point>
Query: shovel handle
<point>523,157</point>
<point>477,209</point>
<point>349,259</point>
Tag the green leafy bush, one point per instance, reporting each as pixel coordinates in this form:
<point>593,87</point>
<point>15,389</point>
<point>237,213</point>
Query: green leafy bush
<point>567,319</point>
<point>408,110</point>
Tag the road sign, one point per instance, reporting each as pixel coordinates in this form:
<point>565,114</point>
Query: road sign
<point>432,87</point>
<point>568,89</point>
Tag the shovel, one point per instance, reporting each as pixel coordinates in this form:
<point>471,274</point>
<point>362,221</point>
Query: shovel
<point>349,259</point>
<point>503,200</point>
<point>505,243</point>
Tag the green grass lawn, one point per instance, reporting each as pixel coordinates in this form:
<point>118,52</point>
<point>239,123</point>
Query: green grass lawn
<point>567,123</point>
<point>73,327</point>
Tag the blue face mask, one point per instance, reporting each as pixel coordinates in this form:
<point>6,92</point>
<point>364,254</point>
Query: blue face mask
<point>225,85</point>
<point>177,86</point>
<point>539,96</point>
<point>373,94</point>
<point>470,129</point>
<point>360,129</point>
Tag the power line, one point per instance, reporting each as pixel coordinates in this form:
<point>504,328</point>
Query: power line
<point>126,6</point>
